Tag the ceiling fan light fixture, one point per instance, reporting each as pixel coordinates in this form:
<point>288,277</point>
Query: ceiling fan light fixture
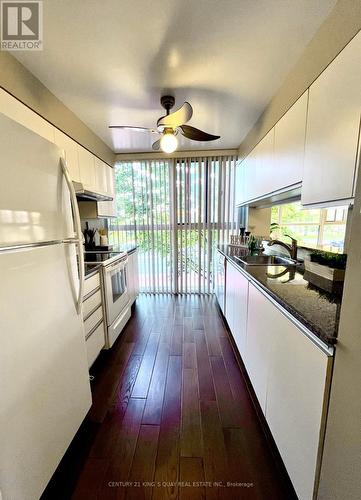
<point>168,142</point>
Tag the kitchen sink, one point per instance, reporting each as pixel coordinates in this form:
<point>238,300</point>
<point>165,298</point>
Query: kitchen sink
<point>266,260</point>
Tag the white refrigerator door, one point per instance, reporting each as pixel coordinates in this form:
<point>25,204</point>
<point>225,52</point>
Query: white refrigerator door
<point>34,198</point>
<point>44,381</point>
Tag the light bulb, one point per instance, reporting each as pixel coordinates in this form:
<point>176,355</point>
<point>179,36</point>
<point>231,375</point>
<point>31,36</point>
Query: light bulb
<point>168,142</point>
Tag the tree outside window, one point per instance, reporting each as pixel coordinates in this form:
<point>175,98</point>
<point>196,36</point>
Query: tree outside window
<point>313,228</point>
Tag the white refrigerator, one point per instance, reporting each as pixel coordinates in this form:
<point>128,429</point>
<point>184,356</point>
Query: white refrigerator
<point>44,380</point>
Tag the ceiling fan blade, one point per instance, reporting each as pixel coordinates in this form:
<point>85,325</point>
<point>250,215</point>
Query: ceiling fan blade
<point>135,129</point>
<point>156,145</point>
<point>179,117</point>
<point>197,135</point>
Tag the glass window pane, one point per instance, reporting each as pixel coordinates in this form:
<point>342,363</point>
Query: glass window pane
<point>333,237</point>
<point>275,213</point>
<point>330,214</point>
<point>294,212</point>
<point>340,214</point>
<point>306,235</point>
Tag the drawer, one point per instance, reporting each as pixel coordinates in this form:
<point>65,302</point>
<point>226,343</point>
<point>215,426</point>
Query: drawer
<point>95,343</point>
<point>90,323</point>
<point>116,328</point>
<point>91,283</point>
<point>91,303</point>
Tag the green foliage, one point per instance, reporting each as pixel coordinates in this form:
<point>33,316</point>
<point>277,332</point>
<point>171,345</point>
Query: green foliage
<point>334,260</point>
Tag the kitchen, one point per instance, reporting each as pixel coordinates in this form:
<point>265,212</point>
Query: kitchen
<point>180,305</point>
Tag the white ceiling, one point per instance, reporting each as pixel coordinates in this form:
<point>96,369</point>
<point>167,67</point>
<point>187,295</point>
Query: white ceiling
<point>110,61</point>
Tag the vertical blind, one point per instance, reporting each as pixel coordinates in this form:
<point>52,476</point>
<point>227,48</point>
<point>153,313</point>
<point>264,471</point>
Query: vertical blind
<point>176,211</point>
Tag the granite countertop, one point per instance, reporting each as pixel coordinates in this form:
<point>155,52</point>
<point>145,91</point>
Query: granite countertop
<point>315,308</point>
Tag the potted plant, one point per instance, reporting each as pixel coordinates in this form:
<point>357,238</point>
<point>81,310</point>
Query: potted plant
<point>328,265</point>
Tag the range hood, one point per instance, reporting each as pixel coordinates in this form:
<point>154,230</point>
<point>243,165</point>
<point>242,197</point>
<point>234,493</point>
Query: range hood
<point>85,194</point>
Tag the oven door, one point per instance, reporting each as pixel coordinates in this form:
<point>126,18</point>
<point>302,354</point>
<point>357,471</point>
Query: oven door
<point>116,289</point>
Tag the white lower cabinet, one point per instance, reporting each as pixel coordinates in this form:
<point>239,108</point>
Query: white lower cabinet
<point>236,306</point>
<point>256,358</point>
<point>93,317</point>
<point>290,376</point>
<point>95,343</point>
<point>289,373</point>
<point>297,386</point>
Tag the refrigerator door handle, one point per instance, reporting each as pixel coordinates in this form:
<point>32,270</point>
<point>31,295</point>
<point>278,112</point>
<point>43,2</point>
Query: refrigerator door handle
<point>78,239</point>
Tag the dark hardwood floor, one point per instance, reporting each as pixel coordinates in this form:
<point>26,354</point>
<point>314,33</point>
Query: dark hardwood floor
<point>172,416</point>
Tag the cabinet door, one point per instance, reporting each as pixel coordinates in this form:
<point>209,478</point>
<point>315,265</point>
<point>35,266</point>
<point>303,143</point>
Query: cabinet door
<point>110,175</point>
<point>240,312</point>
<point>290,145</point>
<point>250,175</point>
<point>100,176</point>
<point>108,208</point>
<point>71,153</point>
<point>230,276</point>
<point>240,182</point>
<point>258,169</point>
<point>260,317</point>
<point>236,306</point>
<point>296,391</point>
<point>332,129</point>
<point>264,172</point>
<point>20,113</point>
<point>86,168</point>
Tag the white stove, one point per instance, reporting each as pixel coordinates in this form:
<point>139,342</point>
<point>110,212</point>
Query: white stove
<point>115,286</point>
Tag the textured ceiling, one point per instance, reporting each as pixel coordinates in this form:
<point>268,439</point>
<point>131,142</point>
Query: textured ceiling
<point>110,61</point>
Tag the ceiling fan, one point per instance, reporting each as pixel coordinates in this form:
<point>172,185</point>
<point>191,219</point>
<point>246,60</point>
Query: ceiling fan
<point>169,125</point>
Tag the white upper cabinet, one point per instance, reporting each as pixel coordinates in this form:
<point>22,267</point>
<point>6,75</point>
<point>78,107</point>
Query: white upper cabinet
<point>83,166</point>
<point>110,173</point>
<point>101,176</point>
<point>255,172</point>
<point>277,161</point>
<point>20,113</point>
<point>87,168</point>
<point>264,167</point>
<point>108,208</point>
<point>240,176</point>
<point>333,129</point>
<point>70,148</point>
<point>290,146</point>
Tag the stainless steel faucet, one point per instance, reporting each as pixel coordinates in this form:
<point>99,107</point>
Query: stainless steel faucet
<point>292,249</point>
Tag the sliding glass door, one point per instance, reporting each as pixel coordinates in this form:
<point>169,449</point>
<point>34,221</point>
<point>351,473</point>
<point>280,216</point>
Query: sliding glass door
<point>176,211</point>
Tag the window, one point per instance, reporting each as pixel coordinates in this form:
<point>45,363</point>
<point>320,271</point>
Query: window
<point>176,211</point>
<point>313,228</point>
